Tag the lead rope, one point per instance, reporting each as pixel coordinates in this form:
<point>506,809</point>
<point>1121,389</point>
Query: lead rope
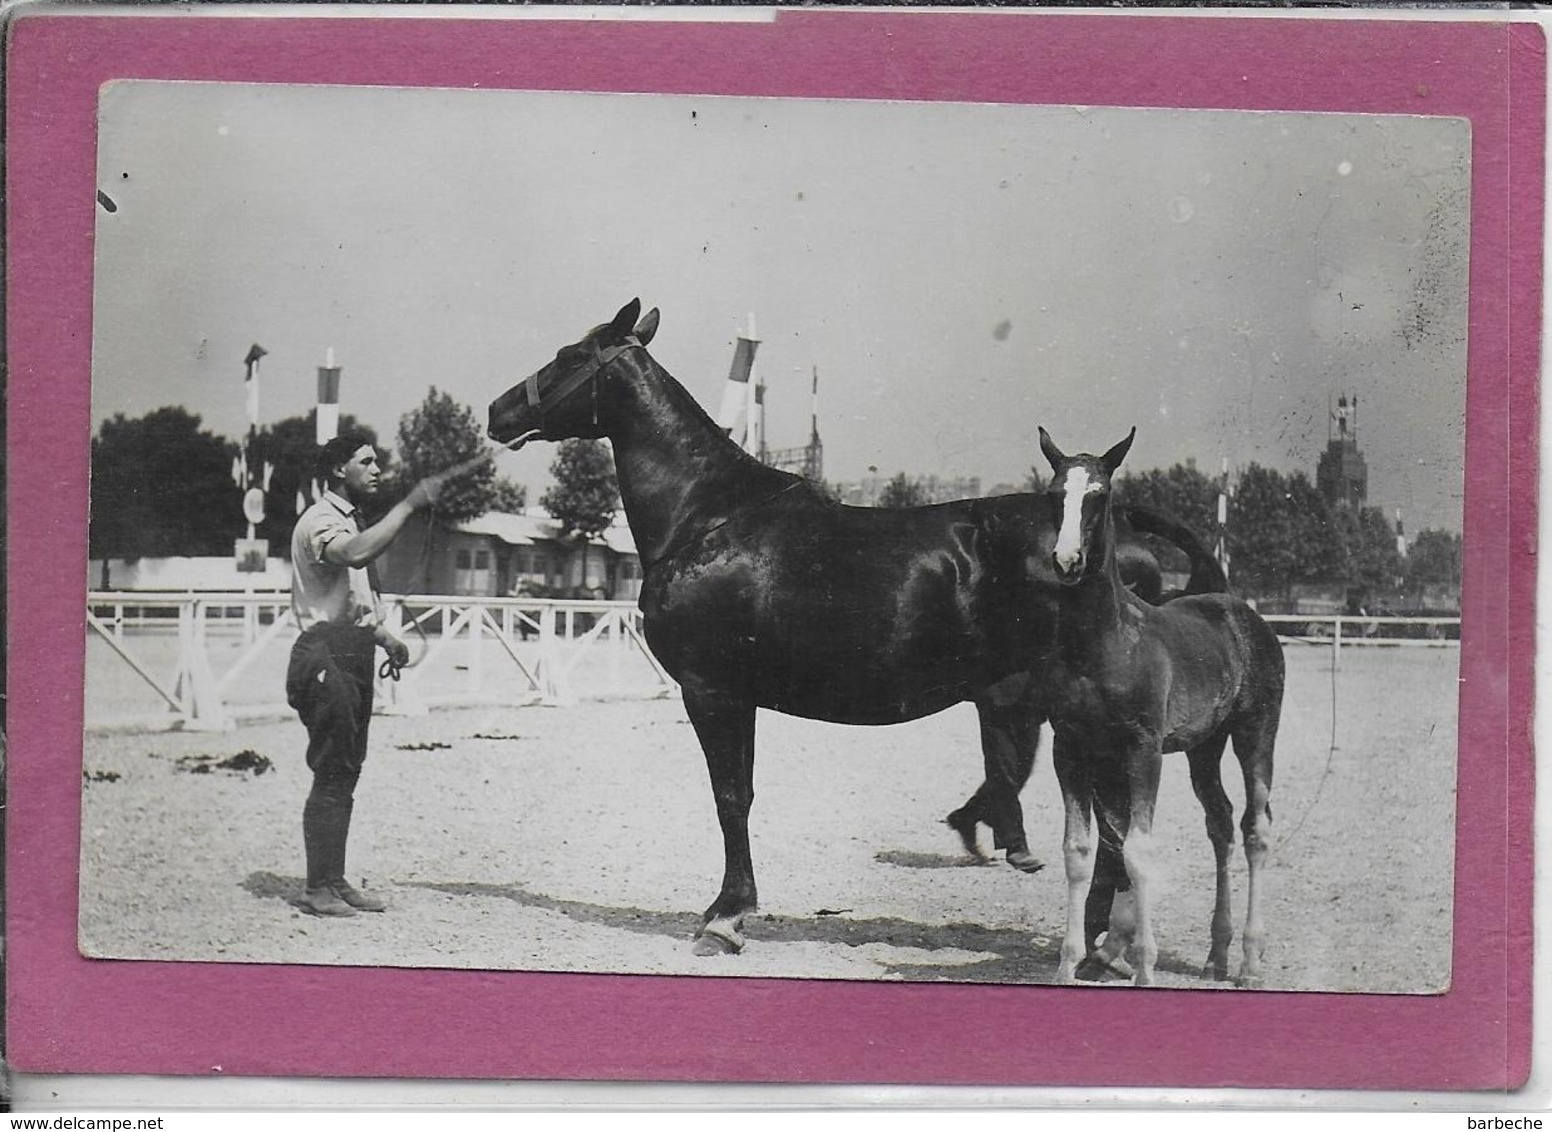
<point>1325,774</point>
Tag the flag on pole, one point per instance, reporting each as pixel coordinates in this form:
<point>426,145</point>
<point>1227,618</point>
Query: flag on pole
<point>251,382</point>
<point>1223,519</point>
<point>328,398</point>
<point>734,417</point>
<point>757,421</point>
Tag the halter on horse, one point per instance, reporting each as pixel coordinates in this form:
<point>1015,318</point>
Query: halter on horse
<point>758,591</point>
<point>1131,681</point>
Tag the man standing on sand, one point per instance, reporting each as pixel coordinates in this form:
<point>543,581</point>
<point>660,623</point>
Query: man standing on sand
<point>329,679</point>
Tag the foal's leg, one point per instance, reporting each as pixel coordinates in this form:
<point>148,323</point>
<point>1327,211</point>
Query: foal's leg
<point>1144,763</point>
<point>1077,849</point>
<point>1253,743</point>
<point>724,723</point>
<point>1207,781</point>
<point>1109,910</point>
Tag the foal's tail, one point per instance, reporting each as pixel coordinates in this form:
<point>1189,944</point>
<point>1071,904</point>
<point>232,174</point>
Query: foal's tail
<point>1207,575</point>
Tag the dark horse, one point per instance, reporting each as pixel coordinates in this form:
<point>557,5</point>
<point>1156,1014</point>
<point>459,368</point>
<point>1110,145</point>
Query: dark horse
<point>1129,681</point>
<point>758,591</point>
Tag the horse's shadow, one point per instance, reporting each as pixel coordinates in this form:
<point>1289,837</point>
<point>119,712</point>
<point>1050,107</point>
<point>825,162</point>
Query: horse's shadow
<point>1014,955</point>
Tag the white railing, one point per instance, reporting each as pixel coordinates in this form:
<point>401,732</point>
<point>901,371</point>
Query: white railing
<point>205,655</point>
<point>210,658</point>
<point>1344,630</point>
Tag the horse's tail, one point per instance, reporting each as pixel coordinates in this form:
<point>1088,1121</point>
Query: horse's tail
<point>1207,575</point>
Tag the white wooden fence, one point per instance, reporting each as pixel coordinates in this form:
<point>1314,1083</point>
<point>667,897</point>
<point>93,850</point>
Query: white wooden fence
<point>210,658</point>
<point>1341,631</point>
<point>463,651</point>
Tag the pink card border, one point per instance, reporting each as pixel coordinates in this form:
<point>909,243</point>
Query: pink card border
<point>69,1014</point>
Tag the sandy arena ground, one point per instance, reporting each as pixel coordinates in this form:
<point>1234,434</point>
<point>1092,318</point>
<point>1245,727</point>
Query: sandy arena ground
<point>584,838</point>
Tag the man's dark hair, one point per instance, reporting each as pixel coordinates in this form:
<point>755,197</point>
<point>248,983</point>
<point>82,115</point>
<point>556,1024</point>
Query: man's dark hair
<point>339,451</point>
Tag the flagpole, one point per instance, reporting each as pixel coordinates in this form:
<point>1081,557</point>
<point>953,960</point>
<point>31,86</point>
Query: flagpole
<point>251,389</point>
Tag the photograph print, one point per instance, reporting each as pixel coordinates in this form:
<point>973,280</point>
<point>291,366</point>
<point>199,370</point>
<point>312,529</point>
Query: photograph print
<point>810,539</point>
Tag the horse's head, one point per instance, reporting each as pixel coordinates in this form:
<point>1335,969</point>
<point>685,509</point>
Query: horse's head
<point>562,399</point>
<point>1080,494</point>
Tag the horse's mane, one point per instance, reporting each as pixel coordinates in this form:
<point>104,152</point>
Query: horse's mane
<point>686,402</point>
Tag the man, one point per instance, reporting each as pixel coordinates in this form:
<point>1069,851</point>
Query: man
<point>329,679</point>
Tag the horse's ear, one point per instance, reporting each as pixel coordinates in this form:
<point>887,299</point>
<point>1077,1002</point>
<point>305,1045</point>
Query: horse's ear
<point>625,321</point>
<point>1112,459</point>
<point>1052,452</point>
<point>647,327</point>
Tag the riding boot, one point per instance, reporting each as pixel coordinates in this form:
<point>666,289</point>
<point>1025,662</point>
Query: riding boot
<point>356,899</point>
<point>325,828</point>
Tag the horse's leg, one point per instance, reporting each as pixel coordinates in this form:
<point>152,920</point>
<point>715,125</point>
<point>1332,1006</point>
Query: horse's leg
<point>1077,850</point>
<point>1253,743</point>
<point>1110,909</point>
<point>1144,762</point>
<point>1207,781</point>
<point>724,723</point>
<point>1010,717</point>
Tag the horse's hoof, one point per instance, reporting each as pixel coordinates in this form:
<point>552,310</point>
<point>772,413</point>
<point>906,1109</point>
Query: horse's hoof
<point>1025,861</point>
<point>1250,982</point>
<point>713,941</point>
<point>1098,969</point>
<point>1215,972</point>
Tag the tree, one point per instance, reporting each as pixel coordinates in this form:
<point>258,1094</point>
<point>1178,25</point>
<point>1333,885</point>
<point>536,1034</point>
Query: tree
<point>1184,493</point>
<point>1371,561</point>
<point>1263,533</point>
<point>508,495</point>
<point>433,437</point>
<point>1433,559</point>
<point>585,494</point>
<point>1318,553</point>
<point>162,486</point>
<point>902,491</point>
<point>290,446</point>
<point>436,435</point>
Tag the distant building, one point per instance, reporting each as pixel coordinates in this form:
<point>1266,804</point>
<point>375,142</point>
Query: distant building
<point>1342,476</point>
<point>512,555</point>
<point>934,489</point>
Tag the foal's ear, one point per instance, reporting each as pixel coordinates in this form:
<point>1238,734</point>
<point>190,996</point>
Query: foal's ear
<point>1112,459</point>
<point>647,327</point>
<point>625,321</point>
<point>1052,452</point>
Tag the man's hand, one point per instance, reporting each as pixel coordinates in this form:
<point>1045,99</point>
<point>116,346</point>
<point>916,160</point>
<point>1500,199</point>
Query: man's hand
<point>398,652</point>
<point>425,493</point>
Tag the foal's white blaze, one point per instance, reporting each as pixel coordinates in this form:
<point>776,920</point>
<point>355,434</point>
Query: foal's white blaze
<point>1069,539</point>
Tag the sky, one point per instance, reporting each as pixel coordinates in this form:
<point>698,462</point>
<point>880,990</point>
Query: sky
<point>959,274</point>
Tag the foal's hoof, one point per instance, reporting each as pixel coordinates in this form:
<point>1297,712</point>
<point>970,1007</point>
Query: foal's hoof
<point>964,825</point>
<point>713,940</point>
<point>1250,982</point>
<point>1025,861</point>
<point>1097,968</point>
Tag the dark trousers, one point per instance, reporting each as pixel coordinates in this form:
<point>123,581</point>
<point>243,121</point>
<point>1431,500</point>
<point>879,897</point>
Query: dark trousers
<point>329,683</point>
